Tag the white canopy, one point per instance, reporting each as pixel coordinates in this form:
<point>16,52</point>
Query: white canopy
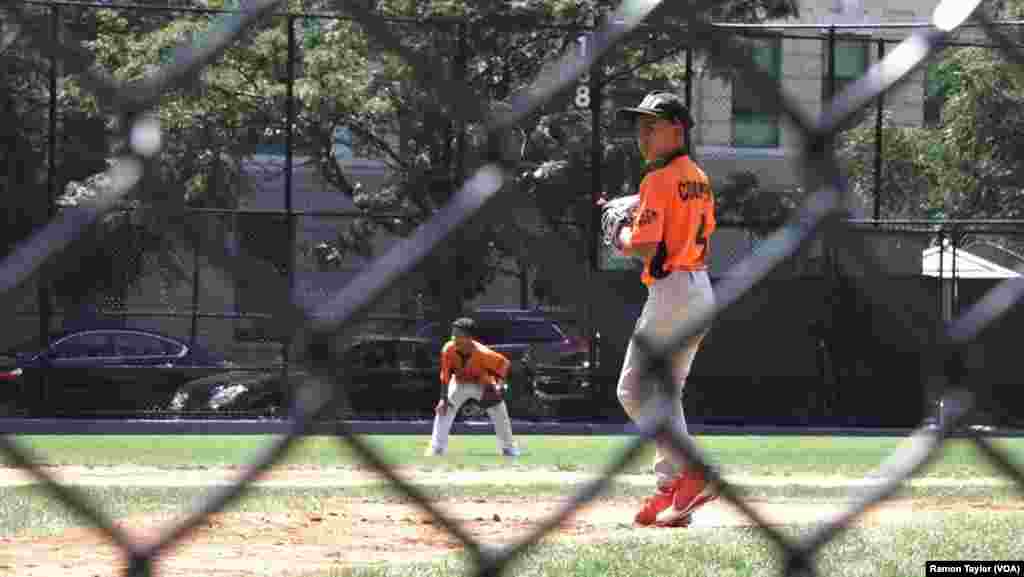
<point>968,265</point>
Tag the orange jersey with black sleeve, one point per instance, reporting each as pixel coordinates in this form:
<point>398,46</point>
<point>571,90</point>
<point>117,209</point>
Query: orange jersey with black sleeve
<point>677,207</point>
<point>483,366</point>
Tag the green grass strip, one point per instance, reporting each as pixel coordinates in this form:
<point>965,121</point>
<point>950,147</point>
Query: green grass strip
<point>754,455</point>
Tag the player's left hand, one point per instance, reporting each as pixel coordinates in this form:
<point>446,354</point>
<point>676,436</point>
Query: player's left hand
<point>442,407</point>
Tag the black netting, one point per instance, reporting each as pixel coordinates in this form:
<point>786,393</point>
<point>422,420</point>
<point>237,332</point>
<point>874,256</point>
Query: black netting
<point>484,152</point>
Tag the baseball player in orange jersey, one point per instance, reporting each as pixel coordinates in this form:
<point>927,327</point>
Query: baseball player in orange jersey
<point>471,370</point>
<point>671,230</point>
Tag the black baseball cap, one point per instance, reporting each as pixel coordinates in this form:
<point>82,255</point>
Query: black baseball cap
<point>464,325</point>
<point>662,104</point>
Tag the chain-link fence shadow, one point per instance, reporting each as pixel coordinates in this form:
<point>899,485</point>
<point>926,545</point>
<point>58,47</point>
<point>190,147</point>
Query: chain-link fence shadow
<point>307,325</point>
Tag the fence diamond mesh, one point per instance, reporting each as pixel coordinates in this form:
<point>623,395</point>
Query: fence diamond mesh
<point>308,324</point>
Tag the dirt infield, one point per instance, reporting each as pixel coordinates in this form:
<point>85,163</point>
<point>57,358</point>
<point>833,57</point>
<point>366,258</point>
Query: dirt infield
<point>349,531</point>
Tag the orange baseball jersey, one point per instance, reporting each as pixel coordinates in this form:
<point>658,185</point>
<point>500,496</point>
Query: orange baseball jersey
<point>484,366</point>
<point>676,206</point>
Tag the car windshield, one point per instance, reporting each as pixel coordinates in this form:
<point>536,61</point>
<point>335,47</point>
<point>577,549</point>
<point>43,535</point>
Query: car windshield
<point>374,355</point>
<point>84,346</point>
<point>504,332</point>
<point>140,345</point>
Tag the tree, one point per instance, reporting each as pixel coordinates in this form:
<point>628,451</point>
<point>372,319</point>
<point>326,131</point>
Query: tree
<point>110,253</point>
<point>908,187</point>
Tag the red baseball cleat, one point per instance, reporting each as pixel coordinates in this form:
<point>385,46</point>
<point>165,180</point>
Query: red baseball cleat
<point>691,491</point>
<point>680,522</point>
<point>654,505</point>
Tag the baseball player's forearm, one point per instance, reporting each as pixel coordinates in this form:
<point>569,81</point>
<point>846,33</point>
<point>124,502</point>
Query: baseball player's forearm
<point>643,251</point>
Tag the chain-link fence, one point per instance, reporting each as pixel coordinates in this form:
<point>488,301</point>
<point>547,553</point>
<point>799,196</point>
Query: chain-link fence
<point>127,92</point>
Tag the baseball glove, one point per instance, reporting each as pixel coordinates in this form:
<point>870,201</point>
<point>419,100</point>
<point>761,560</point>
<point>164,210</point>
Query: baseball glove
<point>615,214</point>
<point>492,395</point>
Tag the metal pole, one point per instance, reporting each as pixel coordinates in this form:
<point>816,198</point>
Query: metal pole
<point>942,270</point>
<point>461,56</point>
<point>44,295</point>
<point>830,63</point>
<point>195,284</point>
<point>953,296</point>
<point>460,71</point>
<point>45,310</point>
<point>689,99</point>
<point>286,341</point>
<point>596,186</point>
<point>878,141</point>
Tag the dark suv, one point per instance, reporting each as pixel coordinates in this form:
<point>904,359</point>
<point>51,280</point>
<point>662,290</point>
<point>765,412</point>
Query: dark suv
<point>558,365</point>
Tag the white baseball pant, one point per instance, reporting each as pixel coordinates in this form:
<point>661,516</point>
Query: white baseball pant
<point>670,301</point>
<point>459,394</point>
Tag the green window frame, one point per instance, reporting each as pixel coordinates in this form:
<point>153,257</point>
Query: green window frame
<point>755,124</point>
<point>852,59</point>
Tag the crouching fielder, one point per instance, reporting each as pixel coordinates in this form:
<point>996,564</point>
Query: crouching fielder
<point>471,371</point>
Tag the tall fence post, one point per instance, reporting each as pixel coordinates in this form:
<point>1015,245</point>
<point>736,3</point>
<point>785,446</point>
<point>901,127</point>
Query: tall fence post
<point>44,293</point>
<point>942,271</point>
<point>461,61</point>
<point>44,296</point>
<point>954,292</point>
<point>879,134</point>
<point>830,63</point>
<point>688,92</point>
<point>286,340</point>
<point>194,331</point>
<point>459,170</point>
<point>596,187</point>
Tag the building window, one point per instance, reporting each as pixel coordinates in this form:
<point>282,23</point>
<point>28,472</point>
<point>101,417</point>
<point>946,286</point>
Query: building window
<point>343,143</point>
<point>934,95</point>
<point>852,58</point>
<point>755,123</point>
<point>312,33</point>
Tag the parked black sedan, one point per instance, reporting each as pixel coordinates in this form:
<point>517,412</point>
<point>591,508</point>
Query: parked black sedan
<point>105,371</point>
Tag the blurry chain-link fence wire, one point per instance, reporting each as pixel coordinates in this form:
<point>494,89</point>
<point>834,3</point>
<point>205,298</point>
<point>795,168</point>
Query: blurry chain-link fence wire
<point>203,313</point>
<point>824,211</point>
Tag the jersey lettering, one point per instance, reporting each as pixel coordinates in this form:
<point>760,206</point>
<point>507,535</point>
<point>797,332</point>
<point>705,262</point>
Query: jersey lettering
<point>647,217</point>
<point>692,190</point>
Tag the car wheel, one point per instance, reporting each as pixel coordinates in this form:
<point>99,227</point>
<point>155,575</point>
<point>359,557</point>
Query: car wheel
<point>472,410</point>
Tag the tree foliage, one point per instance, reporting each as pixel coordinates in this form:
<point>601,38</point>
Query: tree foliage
<point>969,165</point>
<point>80,151</point>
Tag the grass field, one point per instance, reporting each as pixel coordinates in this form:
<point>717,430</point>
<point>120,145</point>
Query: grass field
<point>972,511</point>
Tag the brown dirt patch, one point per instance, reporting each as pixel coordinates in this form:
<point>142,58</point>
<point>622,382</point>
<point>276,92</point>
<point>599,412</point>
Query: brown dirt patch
<point>350,531</point>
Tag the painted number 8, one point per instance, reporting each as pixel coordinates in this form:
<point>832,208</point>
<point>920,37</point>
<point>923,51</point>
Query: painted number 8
<point>582,99</point>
